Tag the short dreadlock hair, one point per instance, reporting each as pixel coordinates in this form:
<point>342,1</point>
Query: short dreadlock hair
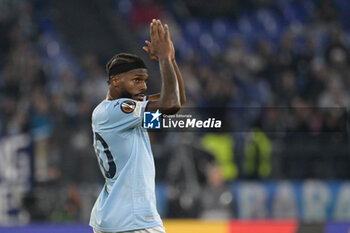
<point>121,58</point>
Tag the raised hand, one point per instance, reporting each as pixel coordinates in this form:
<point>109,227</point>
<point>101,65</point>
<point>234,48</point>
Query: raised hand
<point>161,45</point>
<point>150,50</point>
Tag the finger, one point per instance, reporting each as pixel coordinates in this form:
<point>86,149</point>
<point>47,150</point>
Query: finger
<point>160,29</point>
<point>154,32</point>
<point>161,25</point>
<point>148,43</point>
<point>167,32</point>
<point>149,47</point>
<point>146,49</point>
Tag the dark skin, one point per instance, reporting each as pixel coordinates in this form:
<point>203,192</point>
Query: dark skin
<point>150,51</point>
<point>132,84</point>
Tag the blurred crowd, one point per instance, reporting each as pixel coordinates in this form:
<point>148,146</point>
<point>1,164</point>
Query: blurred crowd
<point>298,83</point>
<point>305,67</point>
<point>54,107</point>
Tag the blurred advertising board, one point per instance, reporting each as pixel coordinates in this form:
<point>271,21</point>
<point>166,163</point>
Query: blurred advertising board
<point>48,228</point>
<point>337,227</point>
<point>191,226</point>
<point>263,226</point>
<point>310,200</point>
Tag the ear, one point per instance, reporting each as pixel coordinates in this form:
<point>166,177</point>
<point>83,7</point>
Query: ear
<point>115,81</point>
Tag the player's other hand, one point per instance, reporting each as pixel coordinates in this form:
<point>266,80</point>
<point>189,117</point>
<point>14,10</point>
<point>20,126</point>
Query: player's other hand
<point>149,51</point>
<point>160,45</point>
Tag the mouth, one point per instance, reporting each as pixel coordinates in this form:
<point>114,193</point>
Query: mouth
<point>140,96</point>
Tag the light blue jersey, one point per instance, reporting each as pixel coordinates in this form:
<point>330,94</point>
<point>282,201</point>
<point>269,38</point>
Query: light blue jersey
<point>127,201</point>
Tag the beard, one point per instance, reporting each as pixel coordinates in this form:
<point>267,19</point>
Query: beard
<point>125,94</point>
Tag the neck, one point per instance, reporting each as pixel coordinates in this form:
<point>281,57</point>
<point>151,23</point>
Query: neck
<point>112,94</point>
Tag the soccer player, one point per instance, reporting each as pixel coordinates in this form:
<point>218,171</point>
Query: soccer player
<point>127,202</point>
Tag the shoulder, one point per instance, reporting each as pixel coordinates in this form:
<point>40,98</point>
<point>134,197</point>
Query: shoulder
<point>104,111</point>
<point>127,105</point>
<point>118,107</point>
<point>99,111</point>
<point>121,113</point>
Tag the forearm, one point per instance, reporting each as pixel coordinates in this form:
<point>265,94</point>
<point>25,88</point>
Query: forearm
<point>180,82</point>
<point>169,100</point>
<point>169,94</point>
<point>156,97</point>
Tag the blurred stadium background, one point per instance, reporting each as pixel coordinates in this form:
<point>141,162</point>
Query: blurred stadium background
<point>276,172</point>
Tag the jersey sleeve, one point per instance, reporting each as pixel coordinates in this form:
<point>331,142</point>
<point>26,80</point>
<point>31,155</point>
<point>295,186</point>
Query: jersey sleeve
<point>127,113</point>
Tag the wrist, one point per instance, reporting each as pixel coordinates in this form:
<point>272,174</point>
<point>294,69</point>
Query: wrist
<point>164,58</point>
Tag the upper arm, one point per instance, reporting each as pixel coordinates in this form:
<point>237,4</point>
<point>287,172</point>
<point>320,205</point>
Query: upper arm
<point>154,97</point>
<point>171,108</point>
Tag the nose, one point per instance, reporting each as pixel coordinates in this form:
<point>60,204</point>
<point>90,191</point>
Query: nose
<point>144,86</point>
